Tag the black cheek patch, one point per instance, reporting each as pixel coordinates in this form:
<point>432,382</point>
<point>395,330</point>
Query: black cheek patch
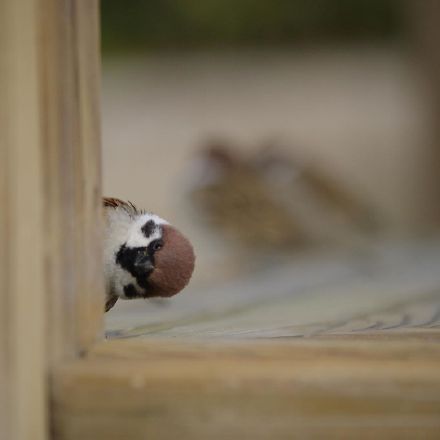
<point>148,228</point>
<point>130,291</point>
<point>125,258</point>
<point>143,283</point>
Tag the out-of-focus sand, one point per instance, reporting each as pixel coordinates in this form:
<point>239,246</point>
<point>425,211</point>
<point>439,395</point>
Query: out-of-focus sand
<point>357,111</point>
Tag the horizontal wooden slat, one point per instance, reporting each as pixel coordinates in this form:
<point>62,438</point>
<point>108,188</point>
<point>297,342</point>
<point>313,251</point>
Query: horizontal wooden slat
<point>331,347</point>
<point>332,388</point>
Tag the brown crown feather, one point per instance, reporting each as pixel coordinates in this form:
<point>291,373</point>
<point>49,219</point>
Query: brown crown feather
<point>174,264</point>
<point>112,202</point>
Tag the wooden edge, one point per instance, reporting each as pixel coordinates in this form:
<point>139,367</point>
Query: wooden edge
<point>70,108</point>
<point>51,285</point>
<point>90,327</point>
<point>311,387</point>
<point>23,391</point>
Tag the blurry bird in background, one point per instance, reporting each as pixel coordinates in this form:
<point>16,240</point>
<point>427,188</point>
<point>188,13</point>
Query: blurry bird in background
<point>270,199</point>
<point>233,198</point>
<point>329,210</point>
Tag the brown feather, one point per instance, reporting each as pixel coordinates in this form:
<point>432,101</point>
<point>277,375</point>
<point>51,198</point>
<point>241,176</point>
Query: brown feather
<point>112,202</point>
<point>174,264</point>
<point>110,302</point>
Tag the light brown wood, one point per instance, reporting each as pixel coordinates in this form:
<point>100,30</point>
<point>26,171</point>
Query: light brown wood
<point>366,372</point>
<point>23,410</point>
<point>328,347</point>
<point>70,73</point>
<point>390,287</point>
<point>297,389</point>
<point>50,273</point>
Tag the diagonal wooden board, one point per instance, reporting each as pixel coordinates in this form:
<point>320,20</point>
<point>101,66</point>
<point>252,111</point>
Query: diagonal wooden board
<point>350,348</point>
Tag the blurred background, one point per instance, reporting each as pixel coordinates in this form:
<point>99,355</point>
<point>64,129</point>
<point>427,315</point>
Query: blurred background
<point>275,133</point>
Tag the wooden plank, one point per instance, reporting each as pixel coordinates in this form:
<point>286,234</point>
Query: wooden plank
<point>135,389</point>
<point>50,273</point>
<point>23,410</point>
<point>335,349</point>
<point>88,59</point>
<point>393,287</point>
<point>70,75</point>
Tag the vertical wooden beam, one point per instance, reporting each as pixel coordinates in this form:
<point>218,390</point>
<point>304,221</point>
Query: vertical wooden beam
<point>51,286</point>
<point>70,64</point>
<point>90,306</point>
<point>22,287</point>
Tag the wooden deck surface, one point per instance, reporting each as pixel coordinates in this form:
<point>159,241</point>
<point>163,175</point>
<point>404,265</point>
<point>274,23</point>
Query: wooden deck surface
<point>328,347</point>
<point>393,288</point>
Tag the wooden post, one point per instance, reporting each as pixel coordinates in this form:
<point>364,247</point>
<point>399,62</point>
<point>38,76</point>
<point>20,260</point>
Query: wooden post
<point>70,81</point>
<point>50,260</point>
<point>22,325</point>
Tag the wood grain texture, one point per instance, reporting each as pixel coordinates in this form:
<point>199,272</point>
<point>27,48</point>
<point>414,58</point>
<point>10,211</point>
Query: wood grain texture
<point>23,410</point>
<point>298,389</point>
<point>50,272</point>
<point>393,287</point>
<point>324,348</point>
<point>70,74</point>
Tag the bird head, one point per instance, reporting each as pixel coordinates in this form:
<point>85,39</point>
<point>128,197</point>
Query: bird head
<point>145,256</point>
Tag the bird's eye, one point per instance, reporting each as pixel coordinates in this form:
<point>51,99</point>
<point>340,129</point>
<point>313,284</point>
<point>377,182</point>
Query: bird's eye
<point>157,245</point>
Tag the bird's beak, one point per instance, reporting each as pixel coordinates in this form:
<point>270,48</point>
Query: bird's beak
<point>143,264</point>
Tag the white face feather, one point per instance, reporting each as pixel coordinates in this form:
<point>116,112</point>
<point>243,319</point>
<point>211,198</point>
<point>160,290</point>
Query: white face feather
<point>136,238</point>
<point>123,228</point>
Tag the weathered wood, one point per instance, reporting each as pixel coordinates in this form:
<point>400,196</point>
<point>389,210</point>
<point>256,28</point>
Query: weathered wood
<point>391,287</point>
<point>23,411</point>
<point>70,64</point>
<point>368,382</point>
<point>341,348</point>
<point>297,389</point>
<point>50,271</point>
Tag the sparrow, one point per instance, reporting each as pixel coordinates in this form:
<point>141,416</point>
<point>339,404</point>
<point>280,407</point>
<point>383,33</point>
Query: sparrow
<point>274,199</point>
<point>284,170</point>
<point>328,210</point>
<point>144,256</point>
<point>233,198</point>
